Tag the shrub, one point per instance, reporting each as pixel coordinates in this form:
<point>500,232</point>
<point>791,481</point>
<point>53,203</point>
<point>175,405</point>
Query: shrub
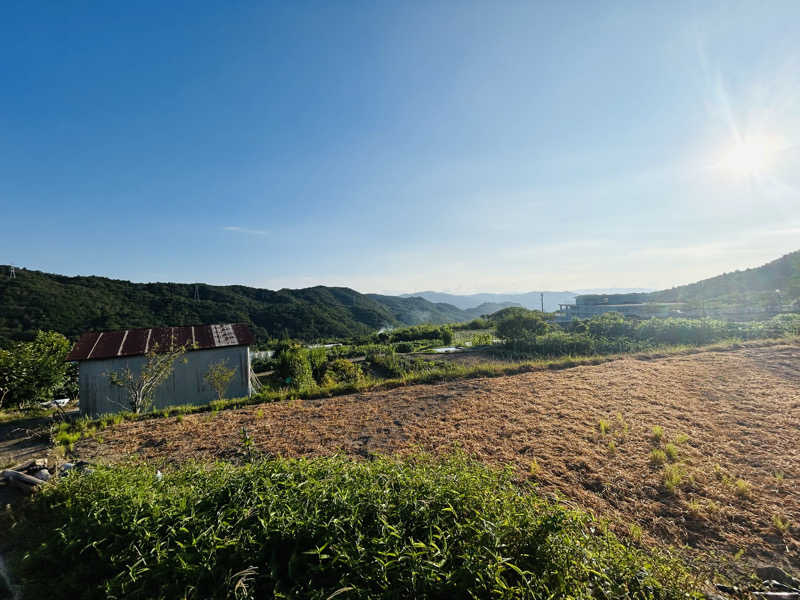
<point>481,339</point>
<point>318,359</point>
<point>294,368</point>
<point>447,336</point>
<point>522,326</point>
<point>423,528</point>
<point>342,370</point>
<point>404,347</point>
<point>30,372</point>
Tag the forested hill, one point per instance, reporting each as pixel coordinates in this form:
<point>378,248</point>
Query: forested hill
<point>775,282</point>
<point>71,305</point>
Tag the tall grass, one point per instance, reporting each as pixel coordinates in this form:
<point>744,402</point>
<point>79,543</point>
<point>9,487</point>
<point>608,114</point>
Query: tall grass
<point>422,528</point>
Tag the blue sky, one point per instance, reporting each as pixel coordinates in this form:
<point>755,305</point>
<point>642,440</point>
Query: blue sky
<point>395,147</point>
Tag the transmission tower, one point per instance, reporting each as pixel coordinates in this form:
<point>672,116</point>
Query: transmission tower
<point>12,272</point>
<point>196,293</point>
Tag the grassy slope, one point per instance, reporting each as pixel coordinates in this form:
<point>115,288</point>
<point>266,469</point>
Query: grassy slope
<point>755,285</point>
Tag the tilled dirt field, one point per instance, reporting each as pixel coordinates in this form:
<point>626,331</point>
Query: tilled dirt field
<point>732,415</point>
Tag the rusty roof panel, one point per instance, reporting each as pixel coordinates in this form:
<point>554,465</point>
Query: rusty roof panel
<point>83,346</point>
<point>243,334</point>
<point>203,338</point>
<point>107,345</point>
<point>134,342</point>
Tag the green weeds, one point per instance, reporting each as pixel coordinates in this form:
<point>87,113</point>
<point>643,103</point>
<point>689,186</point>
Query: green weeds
<point>674,476</point>
<point>420,528</point>
<point>672,452</point>
<point>658,457</point>
<point>658,433</point>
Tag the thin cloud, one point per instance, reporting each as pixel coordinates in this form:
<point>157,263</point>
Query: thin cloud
<point>245,230</point>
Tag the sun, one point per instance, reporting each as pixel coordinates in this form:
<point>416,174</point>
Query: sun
<point>750,157</point>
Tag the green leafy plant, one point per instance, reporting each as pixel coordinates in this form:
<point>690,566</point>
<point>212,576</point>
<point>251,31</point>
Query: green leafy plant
<point>30,372</point>
<point>294,368</point>
<point>219,376</point>
<point>420,528</point>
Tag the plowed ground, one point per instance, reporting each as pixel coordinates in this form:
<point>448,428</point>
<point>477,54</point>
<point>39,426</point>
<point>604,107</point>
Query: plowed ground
<point>739,411</point>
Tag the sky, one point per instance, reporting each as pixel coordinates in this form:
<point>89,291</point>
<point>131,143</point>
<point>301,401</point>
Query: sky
<point>400,146</point>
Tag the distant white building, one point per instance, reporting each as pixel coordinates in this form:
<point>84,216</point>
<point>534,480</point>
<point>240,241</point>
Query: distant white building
<point>101,353</point>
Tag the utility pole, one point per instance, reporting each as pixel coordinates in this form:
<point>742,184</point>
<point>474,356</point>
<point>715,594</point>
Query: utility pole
<point>542,296</point>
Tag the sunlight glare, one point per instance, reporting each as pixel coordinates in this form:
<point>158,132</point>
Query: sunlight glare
<point>751,157</point>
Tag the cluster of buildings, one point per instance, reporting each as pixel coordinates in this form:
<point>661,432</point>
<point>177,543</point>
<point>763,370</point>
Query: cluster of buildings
<point>629,305</point>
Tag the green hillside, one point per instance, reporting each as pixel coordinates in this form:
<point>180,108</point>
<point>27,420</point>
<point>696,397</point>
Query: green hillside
<point>775,283</point>
<point>72,305</point>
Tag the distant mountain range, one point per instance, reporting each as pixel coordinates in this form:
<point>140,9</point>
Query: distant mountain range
<point>71,305</point>
<point>530,300</point>
<point>36,300</point>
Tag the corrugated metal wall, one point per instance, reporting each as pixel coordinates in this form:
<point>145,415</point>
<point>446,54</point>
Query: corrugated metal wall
<point>186,384</point>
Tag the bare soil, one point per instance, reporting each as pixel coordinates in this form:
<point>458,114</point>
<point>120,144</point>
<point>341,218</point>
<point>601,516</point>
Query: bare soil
<point>739,410</point>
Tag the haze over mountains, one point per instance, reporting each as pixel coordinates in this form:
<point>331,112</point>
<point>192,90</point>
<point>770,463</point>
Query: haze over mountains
<point>531,300</point>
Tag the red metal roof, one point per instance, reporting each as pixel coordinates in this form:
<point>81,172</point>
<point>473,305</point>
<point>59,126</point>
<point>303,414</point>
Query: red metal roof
<point>133,342</point>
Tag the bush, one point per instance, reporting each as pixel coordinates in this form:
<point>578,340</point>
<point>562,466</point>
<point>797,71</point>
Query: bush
<point>447,336</point>
<point>294,368</point>
<point>422,528</point>
<point>481,339</point>
<point>30,372</point>
<point>521,326</point>
<point>341,370</point>
<point>404,347</point>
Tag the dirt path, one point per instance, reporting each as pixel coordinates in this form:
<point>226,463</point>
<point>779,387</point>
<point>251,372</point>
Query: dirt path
<point>738,410</point>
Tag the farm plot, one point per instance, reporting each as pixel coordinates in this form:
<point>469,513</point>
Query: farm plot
<point>701,451</point>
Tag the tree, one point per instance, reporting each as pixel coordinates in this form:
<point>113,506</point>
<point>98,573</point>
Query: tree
<point>141,386</point>
<point>218,376</point>
<point>447,336</point>
<point>521,326</point>
<point>31,371</point>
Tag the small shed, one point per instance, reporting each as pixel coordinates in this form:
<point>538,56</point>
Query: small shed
<point>101,353</point>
